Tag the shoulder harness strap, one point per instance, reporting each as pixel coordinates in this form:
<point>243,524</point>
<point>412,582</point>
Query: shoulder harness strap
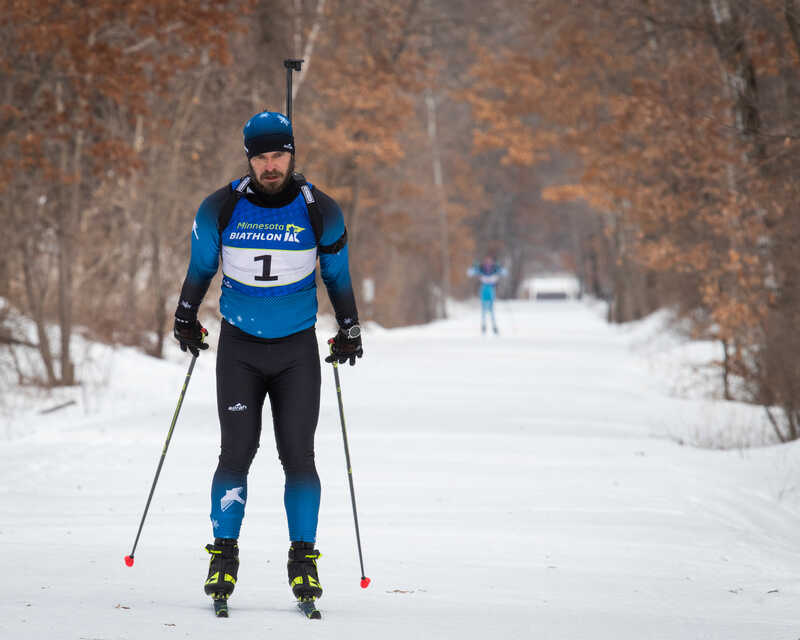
<point>316,217</point>
<point>311,203</point>
<point>226,211</point>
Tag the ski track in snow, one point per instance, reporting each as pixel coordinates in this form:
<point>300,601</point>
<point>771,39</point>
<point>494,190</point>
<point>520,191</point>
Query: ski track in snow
<point>521,486</point>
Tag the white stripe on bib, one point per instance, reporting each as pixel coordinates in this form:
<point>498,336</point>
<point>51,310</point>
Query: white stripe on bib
<point>267,267</point>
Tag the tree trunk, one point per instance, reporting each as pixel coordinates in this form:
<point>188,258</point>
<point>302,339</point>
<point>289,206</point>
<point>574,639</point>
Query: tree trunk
<point>739,72</point>
<point>619,310</point>
<point>183,115</point>
<point>157,287</point>
<point>353,218</point>
<point>309,48</point>
<point>726,370</point>
<point>438,182</point>
<point>793,20</point>
<point>5,275</point>
<point>66,256</point>
<point>36,306</point>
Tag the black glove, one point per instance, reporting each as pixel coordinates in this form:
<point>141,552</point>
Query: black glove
<point>346,345</point>
<point>191,335</point>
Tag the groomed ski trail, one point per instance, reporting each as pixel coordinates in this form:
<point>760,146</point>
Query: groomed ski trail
<point>516,486</point>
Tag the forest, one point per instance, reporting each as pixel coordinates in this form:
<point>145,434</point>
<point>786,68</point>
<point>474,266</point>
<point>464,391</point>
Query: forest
<point>649,147</point>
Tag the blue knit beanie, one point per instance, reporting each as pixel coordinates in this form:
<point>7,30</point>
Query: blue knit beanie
<point>268,131</point>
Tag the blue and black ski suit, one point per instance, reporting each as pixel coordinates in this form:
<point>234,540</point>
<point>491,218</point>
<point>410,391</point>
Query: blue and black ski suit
<point>269,246</point>
<point>488,272</point>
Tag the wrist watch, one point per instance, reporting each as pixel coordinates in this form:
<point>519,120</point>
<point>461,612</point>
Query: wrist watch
<point>352,332</point>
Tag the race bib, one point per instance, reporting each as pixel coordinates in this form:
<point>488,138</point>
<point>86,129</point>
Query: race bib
<point>267,267</point>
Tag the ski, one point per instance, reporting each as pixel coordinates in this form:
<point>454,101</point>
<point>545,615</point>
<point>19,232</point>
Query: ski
<point>309,609</point>
<point>221,607</point>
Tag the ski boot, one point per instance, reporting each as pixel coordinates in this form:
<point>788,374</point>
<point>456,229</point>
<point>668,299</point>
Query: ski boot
<point>222,572</point>
<point>302,569</point>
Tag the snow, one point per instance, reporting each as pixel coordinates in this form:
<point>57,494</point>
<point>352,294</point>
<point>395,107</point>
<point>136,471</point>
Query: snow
<point>535,484</point>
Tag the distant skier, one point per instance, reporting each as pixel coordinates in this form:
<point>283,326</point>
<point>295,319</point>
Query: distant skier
<point>268,228</point>
<point>488,273</point>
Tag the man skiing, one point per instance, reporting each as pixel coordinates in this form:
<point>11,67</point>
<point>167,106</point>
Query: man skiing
<point>268,228</point>
<point>488,273</point>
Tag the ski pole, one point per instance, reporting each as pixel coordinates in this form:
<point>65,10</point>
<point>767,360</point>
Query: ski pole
<point>364,580</point>
<point>291,64</point>
<point>129,558</point>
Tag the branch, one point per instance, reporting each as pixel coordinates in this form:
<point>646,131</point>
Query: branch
<point>790,11</point>
<point>42,80</point>
<point>412,9</point>
<point>775,426</point>
<point>139,45</point>
<point>10,339</point>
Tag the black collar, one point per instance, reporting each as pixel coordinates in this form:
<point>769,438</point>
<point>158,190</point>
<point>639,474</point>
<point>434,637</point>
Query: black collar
<point>273,200</point>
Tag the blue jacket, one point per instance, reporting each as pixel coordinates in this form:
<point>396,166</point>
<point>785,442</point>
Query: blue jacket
<point>488,276</point>
<point>269,253</point>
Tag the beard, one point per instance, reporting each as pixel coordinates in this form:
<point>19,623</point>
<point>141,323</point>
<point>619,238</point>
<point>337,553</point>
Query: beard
<point>271,187</point>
